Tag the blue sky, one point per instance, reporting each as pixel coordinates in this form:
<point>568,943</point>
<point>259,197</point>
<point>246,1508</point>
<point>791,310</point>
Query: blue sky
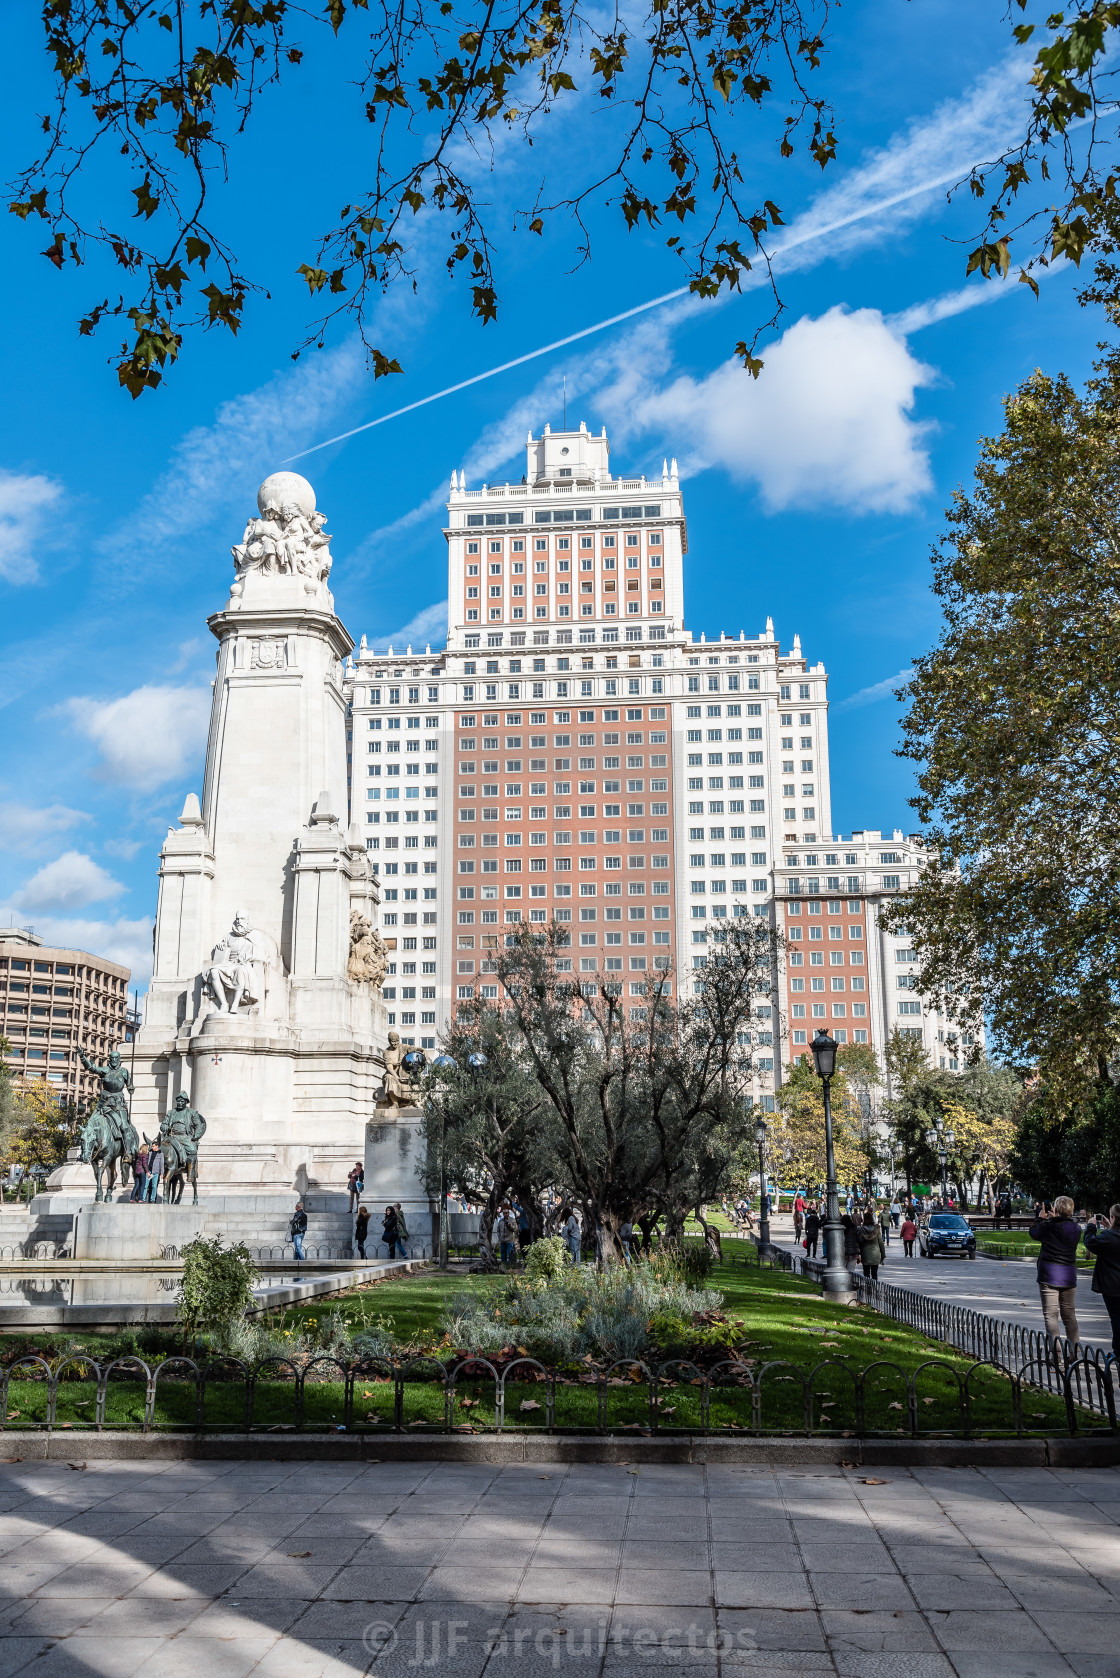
<point>813,495</point>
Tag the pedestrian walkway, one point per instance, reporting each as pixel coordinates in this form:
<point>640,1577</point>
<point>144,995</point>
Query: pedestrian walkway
<point>1005,1288</point>
<point>305,1570</point>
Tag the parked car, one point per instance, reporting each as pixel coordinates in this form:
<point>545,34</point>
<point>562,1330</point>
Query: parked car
<point>946,1235</point>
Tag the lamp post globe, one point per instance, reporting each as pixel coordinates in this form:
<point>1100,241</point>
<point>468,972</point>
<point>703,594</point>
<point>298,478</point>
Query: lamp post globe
<point>837,1281</point>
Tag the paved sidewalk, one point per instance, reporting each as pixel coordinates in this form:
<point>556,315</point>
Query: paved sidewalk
<point>303,1570</point>
<point>1004,1288</point>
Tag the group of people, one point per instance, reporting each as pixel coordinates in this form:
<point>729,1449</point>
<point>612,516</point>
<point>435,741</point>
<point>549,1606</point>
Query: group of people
<point>867,1229</point>
<point>147,1172</point>
<point>394,1225</point>
<point>1058,1233</point>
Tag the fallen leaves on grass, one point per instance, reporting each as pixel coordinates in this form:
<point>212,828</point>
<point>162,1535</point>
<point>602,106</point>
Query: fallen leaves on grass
<point>528,1404</point>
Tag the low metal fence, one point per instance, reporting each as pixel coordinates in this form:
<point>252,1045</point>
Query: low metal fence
<point>938,1399</point>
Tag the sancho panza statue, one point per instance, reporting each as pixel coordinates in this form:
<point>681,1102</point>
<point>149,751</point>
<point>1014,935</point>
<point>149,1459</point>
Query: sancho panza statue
<point>231,979</point>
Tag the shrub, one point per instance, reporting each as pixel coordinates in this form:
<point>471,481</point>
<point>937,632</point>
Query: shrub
<point>604,1314</point>
<point>216,1288</point>
<point>546,1261</point>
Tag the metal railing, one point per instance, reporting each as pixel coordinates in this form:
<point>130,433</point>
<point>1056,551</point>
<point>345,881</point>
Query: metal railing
<point>475,1394</point>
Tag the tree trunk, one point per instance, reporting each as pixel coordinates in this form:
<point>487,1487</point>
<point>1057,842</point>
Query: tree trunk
<point>608,1245</point>
<point>711,1235</point>
<point>647,1222</point>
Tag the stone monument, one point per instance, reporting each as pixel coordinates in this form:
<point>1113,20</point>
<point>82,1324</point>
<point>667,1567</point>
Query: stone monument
<point>257,1010</point>
<point>264,1011</point>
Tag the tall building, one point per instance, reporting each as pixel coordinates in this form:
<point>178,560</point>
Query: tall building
<point>840,967</point>
<point>53,1001</point>
<point>575,754</point>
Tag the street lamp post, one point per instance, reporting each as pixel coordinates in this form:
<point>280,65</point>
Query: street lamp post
<point>476,1064</point>
<point>837,1281</point>
<point>763,1212</point>
<point>943,1141</point>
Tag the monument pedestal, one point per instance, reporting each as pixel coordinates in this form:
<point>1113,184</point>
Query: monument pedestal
<point>122,1232</point>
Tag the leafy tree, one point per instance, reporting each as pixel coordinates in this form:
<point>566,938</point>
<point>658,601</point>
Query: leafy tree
<point>151,100</point>
<point>798,1153</point>
<point>648,1100</point>
<point>1014,717</point>
<point>42,1130</point>
<point>487,1123</point>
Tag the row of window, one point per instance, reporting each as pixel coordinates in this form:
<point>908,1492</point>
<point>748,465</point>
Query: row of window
<point>563,515</point>
<point>611,836</point>
<point>490,743</point>
<point>587,610</point>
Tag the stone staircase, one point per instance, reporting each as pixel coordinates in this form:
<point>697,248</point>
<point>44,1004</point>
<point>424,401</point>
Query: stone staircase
<point>261,1221</point>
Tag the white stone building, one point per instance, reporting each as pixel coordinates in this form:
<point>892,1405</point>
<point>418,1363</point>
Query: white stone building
<point>577,753</point>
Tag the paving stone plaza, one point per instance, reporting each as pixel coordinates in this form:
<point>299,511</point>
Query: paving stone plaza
<point>304,1570</point>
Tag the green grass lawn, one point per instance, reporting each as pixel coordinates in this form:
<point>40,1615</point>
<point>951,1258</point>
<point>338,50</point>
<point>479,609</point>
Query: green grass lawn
<point>1016,1243</point>
<point>804,1353</point>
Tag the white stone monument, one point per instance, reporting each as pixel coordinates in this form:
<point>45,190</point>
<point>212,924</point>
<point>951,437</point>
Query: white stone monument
<point>264,1004</point>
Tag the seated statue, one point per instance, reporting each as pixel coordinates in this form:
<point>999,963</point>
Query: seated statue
<point>400,1087</point>
<point>231,980</point>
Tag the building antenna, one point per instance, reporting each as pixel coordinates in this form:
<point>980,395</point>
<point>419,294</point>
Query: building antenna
<point>564,422</point>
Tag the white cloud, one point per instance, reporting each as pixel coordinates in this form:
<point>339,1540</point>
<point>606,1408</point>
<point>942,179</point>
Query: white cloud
<point>25,828</point>
<point>214,471</point>
<point>71,881</point>
<point>877,691</point>
<point>128,942</point>
<point>149,736</point>
<point>126,849</point>
<point>24,500</point>
<point>428,625</point>
<point>827,424</point>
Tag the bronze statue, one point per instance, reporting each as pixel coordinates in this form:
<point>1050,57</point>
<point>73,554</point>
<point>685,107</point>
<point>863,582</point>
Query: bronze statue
<point>108,1136</point>
<point>180,1132</point>
<point>400,1087</point>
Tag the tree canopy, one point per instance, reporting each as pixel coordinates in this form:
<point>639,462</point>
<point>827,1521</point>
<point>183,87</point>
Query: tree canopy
<point>159,95</point>
<point>1014,718</point>
<point>693,105</point>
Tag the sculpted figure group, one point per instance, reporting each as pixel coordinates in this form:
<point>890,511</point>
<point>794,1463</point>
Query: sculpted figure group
<point>284,540</point>
<point>109,1140</point>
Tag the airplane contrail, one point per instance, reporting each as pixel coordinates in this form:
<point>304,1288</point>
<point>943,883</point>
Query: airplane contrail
<point>782,249</point>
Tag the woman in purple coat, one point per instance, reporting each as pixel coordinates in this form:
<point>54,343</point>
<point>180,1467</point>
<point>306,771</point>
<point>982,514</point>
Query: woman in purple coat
<point>1058,1234</point>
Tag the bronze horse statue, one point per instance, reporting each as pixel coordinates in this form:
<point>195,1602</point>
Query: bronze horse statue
<point>108,1138</point>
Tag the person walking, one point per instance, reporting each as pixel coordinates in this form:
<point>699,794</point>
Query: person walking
<point>155,1173</point>
<point>871,1249</point>
<point>798,1215</point>
<point>1058,1234</point>
<point>572,1233</point>
<point>851,1241</point>
<point>896,1211</point>
<point>297,1229</point>
<point>812,1229</point>
<point>1103,1241</point>
<point>1003,1211</point>
<point>402,1229</point>
<point>139,1173</point>
<point>885,1227</point>
<point>507,1236</point>
<point>361,1230</point>
<point>909,1234</point>
<point>626,1237</point>
<point>389,1230</point>
<point>356,1183</point>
